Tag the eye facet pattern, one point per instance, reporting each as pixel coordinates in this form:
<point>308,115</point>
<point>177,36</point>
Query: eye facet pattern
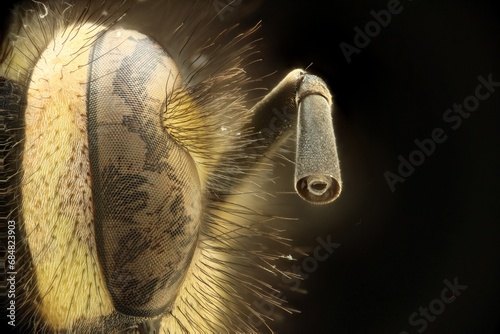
<point>147,189</point>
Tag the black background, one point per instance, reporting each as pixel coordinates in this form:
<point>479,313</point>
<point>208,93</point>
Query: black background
<point>398,247</point>
<point>442,222</point>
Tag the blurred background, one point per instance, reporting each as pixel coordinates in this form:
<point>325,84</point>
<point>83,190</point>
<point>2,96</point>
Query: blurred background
<point>399,243</point>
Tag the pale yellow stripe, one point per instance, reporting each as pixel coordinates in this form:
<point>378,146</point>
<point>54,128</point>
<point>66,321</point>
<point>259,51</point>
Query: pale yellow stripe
<point>56,188</point>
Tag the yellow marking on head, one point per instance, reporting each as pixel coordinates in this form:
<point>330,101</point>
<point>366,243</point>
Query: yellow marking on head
<point>56,187</point>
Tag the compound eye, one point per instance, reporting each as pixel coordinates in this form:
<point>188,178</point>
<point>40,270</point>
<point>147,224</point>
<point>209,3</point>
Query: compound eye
<point>112,203</point>
<point>146,188</point>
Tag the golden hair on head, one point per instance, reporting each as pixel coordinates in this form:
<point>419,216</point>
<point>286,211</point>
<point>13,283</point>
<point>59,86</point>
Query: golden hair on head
<point>134,162</point>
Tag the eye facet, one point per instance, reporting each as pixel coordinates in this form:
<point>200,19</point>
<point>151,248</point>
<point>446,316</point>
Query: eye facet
<point>97,117</point>
<point>146,187</point>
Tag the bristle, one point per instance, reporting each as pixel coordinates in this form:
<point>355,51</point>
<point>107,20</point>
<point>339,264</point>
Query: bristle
<point>234,265</point>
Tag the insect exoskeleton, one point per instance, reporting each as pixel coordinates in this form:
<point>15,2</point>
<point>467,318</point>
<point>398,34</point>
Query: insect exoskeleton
<point>124,154</point>
<point>111,202</point>
<point>136,170</point>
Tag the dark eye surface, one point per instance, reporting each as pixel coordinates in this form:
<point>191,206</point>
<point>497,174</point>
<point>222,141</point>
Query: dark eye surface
<point>146,187</point>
